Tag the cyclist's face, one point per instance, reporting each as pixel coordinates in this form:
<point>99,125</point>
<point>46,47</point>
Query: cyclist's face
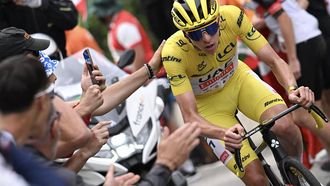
<point>206,38</point>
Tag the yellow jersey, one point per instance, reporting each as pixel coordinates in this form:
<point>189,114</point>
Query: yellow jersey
<point>190,69</point>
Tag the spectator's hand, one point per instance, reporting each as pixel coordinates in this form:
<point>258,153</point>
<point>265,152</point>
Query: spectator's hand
<point>123,180</point>
<point>294,66</point>
<point>155,61</point>
<point>86,79</point>
<point>100,135</point>
<point>90,101</point>
<point>303,96</point>
<point>99,77</point>
<point>174,149</point>
<point>233,137</point>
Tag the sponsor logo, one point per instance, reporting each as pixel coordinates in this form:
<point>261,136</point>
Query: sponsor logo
<point>139,115</point>
<point>213,77</point>
<point>171,58</point>
<point>177,20</point>
<point>199,75</point>
<point>223,157</point>
<point>243,159</point>
<point>251,34</point>
<point>176,79</point>
<point>183,45</point>
<point>211,144</point>
<point>240,19</point>
<point>213,6</point>
<point>222,23</point>
<point>275,144</point>
<point>225,51</point>
<point>202,54</point>
<point>272,101</point>
<point>201,66</point>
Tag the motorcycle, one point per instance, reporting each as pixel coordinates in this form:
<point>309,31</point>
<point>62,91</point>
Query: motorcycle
<point>135,129</point>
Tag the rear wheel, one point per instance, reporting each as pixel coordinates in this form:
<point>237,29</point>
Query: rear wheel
<point>296,174</point>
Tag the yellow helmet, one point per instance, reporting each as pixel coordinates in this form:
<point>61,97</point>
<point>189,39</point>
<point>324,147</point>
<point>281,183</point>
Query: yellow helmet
<point>193,14</point>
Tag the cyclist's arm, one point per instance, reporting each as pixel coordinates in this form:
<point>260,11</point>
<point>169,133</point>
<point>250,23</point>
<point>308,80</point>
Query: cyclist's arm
<point>278,66</point>
<point>187,103</point>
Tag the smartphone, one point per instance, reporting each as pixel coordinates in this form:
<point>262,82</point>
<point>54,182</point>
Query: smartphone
<point>90,65</point>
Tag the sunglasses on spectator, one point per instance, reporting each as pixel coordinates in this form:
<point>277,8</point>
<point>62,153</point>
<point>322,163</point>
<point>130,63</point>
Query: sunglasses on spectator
<point>198,34</point>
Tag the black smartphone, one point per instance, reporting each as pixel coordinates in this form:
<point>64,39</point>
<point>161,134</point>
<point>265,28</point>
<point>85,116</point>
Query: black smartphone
<point>90,65</point>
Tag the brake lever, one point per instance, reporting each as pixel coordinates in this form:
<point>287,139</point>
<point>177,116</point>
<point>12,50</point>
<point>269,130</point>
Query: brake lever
<point>319,112</point>
<point>238,159</point>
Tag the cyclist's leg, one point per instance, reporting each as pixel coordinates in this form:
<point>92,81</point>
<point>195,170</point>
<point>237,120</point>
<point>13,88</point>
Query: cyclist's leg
<point>288,133</point>
<point>259,102</point>
<point>250,178</point>
<point>254,173</point>
<point>219,108</point>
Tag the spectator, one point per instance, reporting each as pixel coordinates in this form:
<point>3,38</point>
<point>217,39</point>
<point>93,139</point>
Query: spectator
<point>308,68</point>
<point>74,132</point>
<point>25,105</point>
<point>159,19</point>
<point>51,17</point>
<point>79,38</point>
<point>125,32</point>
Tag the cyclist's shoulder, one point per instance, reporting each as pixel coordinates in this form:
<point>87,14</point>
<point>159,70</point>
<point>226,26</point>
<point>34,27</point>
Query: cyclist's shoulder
<point>177,44</point>
<point>229,11</point>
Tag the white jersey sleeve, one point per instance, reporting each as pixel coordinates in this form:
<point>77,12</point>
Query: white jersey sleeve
<point>128,35</point>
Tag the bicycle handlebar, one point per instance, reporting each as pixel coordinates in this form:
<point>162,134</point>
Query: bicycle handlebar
<point>316,113</point>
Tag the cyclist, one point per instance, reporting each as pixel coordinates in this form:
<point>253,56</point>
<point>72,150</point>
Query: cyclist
<point>210,83</point>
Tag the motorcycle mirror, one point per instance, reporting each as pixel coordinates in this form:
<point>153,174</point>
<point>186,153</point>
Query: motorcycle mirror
<point>126,58</point>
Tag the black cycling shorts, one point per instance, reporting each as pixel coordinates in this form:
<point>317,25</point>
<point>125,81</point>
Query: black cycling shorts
<point>312,57</point>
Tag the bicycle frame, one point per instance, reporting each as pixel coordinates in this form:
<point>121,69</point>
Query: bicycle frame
<point>273,143</point>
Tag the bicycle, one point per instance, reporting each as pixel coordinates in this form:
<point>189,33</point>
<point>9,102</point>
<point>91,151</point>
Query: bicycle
<point>291,170</point>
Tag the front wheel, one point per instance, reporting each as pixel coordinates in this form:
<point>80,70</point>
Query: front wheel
<point>294,173</point>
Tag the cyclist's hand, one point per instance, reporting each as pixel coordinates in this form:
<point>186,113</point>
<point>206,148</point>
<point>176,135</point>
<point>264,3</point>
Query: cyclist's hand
<point>233,137</point>
<point>155,61</point>
<point>303,96</point>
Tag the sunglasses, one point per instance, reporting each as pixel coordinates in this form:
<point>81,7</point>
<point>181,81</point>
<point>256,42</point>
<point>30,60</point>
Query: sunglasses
<point>198,34</point>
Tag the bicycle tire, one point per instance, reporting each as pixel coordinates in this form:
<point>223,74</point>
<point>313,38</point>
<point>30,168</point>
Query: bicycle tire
<point>294,173</point>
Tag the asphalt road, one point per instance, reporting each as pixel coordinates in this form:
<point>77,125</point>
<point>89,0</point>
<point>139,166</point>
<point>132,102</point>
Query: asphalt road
<point>216,174</point>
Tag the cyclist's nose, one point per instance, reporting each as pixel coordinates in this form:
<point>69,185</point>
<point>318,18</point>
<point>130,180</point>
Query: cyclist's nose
<point>206,37</point>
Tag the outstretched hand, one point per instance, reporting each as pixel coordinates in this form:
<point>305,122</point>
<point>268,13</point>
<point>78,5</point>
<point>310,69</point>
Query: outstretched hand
<point>90,101</point>
<point>175,148</point>
<point>123,180</point>
<point>156,62</point>
<point>303,96</point>
<point>86,79</point>
<point>100,136</point>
